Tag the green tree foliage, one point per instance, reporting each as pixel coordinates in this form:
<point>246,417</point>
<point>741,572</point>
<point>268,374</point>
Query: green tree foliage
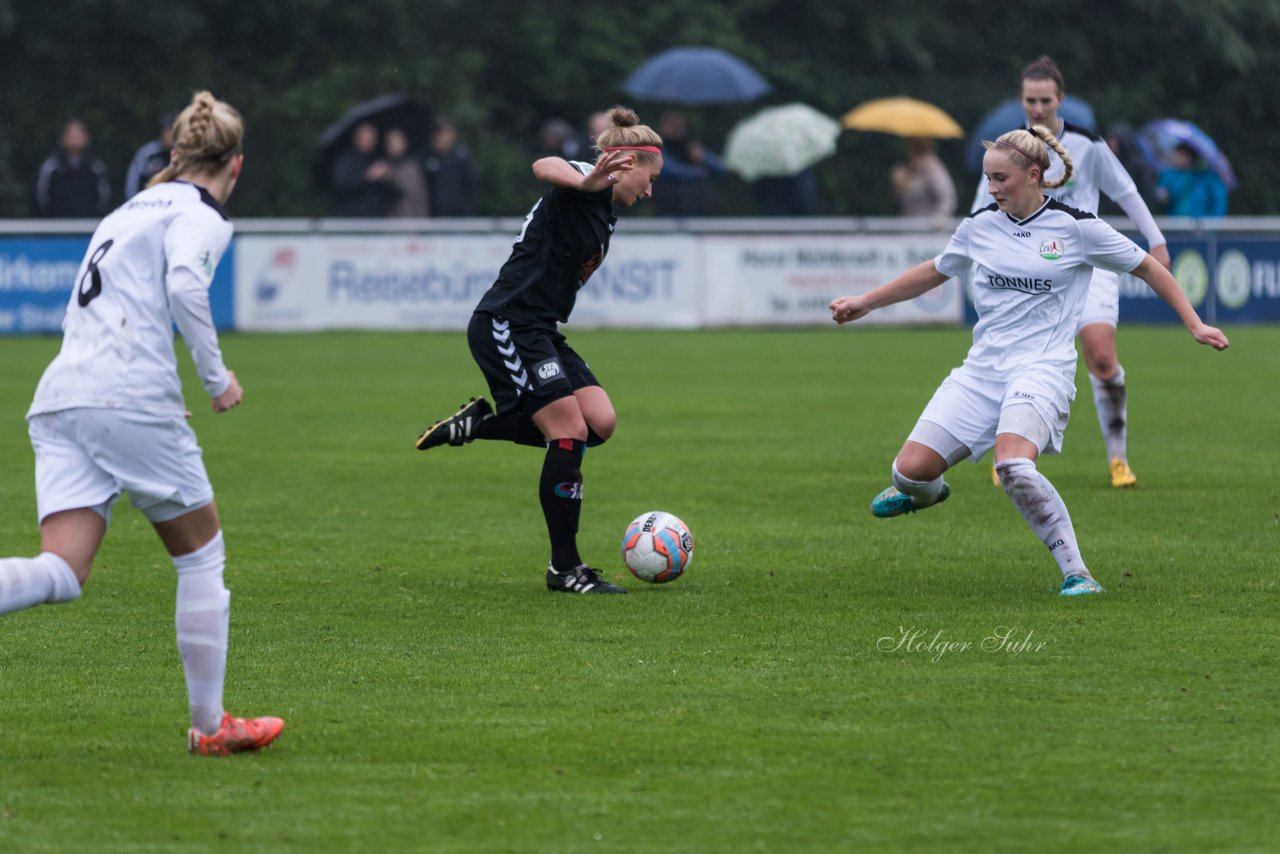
<point>500,67</point>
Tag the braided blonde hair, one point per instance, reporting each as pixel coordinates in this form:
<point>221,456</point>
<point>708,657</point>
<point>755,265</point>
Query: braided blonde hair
<point>206,135</point>
<point>1029,148</point>
<point>625,129</point>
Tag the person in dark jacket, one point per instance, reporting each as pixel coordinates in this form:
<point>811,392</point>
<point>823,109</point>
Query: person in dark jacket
<point>361,179</point>
<point>150,159</point>
<point>451,176</point>
<point>72,183</point>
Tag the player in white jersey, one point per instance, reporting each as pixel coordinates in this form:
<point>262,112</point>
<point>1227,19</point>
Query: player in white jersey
<point>1033,257</point>
<point>1097,170</point>
<point>108,415</point>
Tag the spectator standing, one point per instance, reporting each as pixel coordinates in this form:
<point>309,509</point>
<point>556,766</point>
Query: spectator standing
<point>406,175</point>
<point>922,184</point>
<point>361,179</point>
<point>558,139</point>
<point>451,175</point>
<point>788,195</point>
<point>1121,139</point>
<point>1189,187</point>
<point>72,183</point>
<point>688,169</point>
<point>597,123</point>
<point>149,159</point>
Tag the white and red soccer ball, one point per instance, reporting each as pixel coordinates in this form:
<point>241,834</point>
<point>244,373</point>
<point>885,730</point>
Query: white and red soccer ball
<point>657,547</point>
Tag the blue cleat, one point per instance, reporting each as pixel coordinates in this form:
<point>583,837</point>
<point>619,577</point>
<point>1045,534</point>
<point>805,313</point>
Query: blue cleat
<point>891,502</point>
<point>1078,585</point>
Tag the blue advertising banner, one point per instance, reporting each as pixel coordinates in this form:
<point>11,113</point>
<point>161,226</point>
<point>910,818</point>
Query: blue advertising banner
<point>1139,304</point>
<point>37,275</point>
<point>36,278</point>
<point>1246,281</point>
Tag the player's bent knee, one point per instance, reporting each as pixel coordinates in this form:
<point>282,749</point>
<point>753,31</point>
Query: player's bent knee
<point>1015,473</point>
<point>600,431</point>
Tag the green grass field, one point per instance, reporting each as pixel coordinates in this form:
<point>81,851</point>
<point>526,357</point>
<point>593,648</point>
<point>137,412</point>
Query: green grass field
<point>389,604</point>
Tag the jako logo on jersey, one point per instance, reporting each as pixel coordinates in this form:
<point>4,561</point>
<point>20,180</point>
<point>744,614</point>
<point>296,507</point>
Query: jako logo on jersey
<point>1022,234</point>
<point>1020,283</point>
<point>548,370</point>
<point>569,490</point>
<point>1051,249</point>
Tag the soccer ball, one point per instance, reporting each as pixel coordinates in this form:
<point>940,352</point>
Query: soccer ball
<point>657,547</point>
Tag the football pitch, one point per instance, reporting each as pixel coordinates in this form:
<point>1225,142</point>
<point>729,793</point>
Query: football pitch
<point>819,679</point>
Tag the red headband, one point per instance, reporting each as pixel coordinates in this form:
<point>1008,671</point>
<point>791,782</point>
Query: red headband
<point>1034,161</point>
<point>652,148</point>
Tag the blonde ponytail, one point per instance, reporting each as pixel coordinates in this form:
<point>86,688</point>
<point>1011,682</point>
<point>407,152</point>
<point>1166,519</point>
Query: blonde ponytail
<point>1031,148</point>
<point>206,135</point>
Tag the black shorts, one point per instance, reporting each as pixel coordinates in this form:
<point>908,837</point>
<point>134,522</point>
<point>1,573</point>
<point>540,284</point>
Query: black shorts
<point>526,367</point>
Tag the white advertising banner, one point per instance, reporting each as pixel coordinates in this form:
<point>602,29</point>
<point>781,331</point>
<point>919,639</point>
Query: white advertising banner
<point>790,280</point>
<point>434,282</point>
<point>363,282</point>
<point>646,280</point>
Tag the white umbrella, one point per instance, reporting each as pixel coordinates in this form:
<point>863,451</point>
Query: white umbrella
<point>780,141</point>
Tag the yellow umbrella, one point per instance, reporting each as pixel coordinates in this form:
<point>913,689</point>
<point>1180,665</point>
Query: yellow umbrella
<point>903,117</point>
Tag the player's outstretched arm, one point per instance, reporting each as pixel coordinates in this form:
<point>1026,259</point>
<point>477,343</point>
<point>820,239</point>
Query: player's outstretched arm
<point>920,279</point>
<point>1166,287</point>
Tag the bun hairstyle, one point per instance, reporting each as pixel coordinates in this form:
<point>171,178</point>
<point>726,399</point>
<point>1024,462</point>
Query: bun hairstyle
<point>625,130</point>
<point>206,135</point>
<point>1029,148</point>
<point>1045,68</point>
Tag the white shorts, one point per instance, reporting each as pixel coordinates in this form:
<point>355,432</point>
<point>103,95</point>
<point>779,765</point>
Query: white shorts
<point>88,457</point>
<point>972,409</point>
<point>1102,303</point>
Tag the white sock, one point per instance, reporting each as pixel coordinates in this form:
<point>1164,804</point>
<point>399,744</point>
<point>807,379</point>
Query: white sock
<point>1042,508</point>
<point>42,580</point>
<point>922,492</point>
<point>1109,399</point>
<point>202,619</point>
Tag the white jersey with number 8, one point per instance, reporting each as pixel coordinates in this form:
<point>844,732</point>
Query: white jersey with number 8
<point>149,265</point>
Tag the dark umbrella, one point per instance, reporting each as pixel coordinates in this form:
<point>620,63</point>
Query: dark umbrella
<point>1010,116</point>
<point>388,111</point>
<point>1159,138</point>
<point>696,75</point>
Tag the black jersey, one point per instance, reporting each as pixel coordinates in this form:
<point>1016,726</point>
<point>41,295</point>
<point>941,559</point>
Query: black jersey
<point>564,239</point>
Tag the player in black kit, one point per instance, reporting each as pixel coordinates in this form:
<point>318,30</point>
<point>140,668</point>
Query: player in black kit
<point>545,394</point>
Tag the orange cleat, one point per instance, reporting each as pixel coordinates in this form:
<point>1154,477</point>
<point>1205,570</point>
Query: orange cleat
<point>1122,476</point>
<point>236,735</point>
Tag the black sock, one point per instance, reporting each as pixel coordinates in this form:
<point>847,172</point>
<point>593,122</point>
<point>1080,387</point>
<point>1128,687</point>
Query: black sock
<point>561,493</point>
<point>515,427</point>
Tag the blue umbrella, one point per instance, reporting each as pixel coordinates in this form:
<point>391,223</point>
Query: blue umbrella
<point>1159,138</point>
<point>696,75</point>
<point>1010,116</point>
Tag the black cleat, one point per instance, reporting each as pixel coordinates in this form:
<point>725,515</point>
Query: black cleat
<point>457,429</point>
<point>584,579</point>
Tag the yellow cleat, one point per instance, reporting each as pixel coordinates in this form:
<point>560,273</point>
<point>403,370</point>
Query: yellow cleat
<point>1121,475</point>
<point>995,475</point>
